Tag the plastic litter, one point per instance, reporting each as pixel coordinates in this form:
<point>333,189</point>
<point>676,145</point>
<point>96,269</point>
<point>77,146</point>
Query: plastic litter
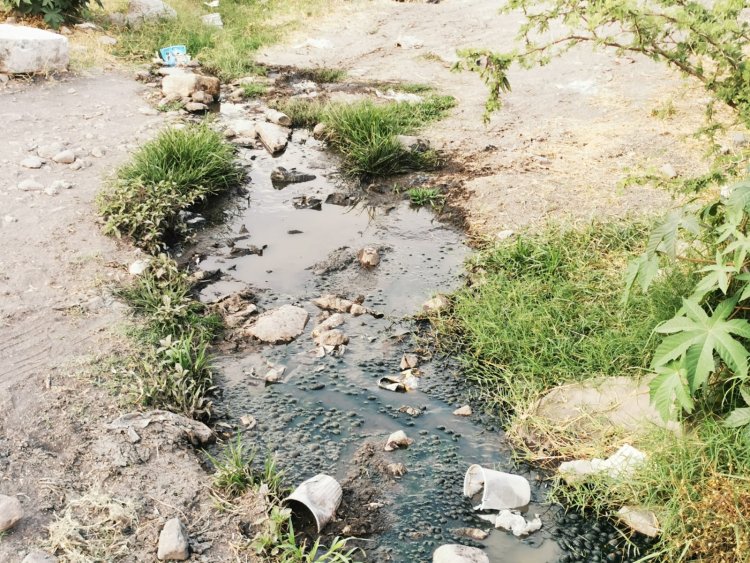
<point>499,491</point>
<point>406,381</point>
<point>621,464</point>
<point>314,503</point>
<point>516,523</point>
<point>174,55</point>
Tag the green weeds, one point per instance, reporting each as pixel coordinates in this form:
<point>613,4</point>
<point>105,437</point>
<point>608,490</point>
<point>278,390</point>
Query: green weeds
<point>234,472</point>
<point>254,90</point>
<point>322,75</point>
<point>422,197</point>
<point>174,172</point>
<point>545,310</point>
<point>365,133</point>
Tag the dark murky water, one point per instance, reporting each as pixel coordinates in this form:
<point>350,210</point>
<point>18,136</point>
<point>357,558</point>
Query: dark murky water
<point>326,408</point>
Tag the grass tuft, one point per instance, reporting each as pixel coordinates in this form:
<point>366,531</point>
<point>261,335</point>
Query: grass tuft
<point>545,310</point>
<point>172,173</point>
<point>254,90</point>
<point>322,75</point>
<point>422,197</point>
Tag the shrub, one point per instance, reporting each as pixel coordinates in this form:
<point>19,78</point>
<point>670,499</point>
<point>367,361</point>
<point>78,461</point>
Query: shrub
<point>55,12</point>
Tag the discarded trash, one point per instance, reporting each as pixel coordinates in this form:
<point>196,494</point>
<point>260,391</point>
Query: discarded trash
<point>408,380</point>
<point>499,490</point>
<point>314,502</point>
<point>397,440</point>
<point>307,202</point>
<point>622,463</point>
<point>516,523</point>
<point>409,361</point>
<point>212,19</point>
<point>174,55</point>
<point>639,519</point>
<point>455,553</point>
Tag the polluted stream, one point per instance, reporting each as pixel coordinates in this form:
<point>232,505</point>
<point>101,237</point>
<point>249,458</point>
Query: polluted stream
<point>289,244</point>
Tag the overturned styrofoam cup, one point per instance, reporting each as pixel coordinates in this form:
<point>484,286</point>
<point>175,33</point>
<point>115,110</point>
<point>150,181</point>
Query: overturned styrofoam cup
<point>499,490</point>
<point>314,502</point>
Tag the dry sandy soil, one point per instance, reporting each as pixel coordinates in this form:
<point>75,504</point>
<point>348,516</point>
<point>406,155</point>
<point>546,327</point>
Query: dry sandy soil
<point>567,134</point>
<point>559,146</point>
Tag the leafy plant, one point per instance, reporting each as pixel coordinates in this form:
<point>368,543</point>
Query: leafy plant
<point>425,196</point>
<point>254,89</point>
<point>55,12</point>
<point>704,355</point>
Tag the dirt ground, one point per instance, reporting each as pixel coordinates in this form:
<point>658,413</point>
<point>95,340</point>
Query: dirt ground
<point>565,137</point>
<point>568,132</point>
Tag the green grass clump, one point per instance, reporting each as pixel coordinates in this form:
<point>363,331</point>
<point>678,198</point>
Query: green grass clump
<point>422,197</point>
<point>547,311</point>
<point>698,485</point>
<point>172,173</point>
<point>322,75</point>
<point>254,90</point>
<point>364,133</point>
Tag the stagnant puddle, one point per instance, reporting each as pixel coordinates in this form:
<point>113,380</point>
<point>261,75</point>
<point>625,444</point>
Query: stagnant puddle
<point>326,410</point>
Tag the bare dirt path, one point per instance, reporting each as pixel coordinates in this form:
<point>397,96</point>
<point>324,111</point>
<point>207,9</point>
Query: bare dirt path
<point>58,320</point>
<point>567,134</point>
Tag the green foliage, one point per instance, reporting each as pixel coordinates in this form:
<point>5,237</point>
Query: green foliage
<point>421,197</point>
<point>364,133</point>
<point>254,89</point>
<point>55,12</point>
<point>704,356</point>
<point>544,310</point>
<point>322,75</point>
<point>176,171</point>
<point>492,68</point>
<point>697,486</point>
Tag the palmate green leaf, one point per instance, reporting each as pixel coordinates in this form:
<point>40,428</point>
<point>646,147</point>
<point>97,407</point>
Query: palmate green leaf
<point>738,202</point>
<point>697,339</point>
<point>644,269</point>
<point>719,275</point>
<point>738,418</point>
<point>669,386</point>
<point>664,236</point>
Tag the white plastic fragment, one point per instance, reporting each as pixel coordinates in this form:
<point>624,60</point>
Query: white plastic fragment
<point>499,490</point>
<point>621,464</point>
<point>516,523</point>
<point>639,519</point>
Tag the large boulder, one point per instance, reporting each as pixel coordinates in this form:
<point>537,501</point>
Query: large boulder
<point>31,50</point>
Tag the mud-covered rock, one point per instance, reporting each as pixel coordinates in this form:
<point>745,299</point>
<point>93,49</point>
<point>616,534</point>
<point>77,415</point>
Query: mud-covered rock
<point>280,325</point>
<point>368,257</point>
<point>11,512</point>
<point>463,411</point>
<point>332,337</point>
<point>333,303</point>
<point>397,440</point>
<point>281,175</point>
<point>335,320</point>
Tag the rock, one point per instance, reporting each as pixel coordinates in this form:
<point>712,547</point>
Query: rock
<point>50,190</point>
<point>244,128</point>
<point>248,421</point>
<point>140,11</point>
<point>463,411</point>
<point>32,162</point>
<point>195,107</point>
<point>202,97</point>
<point>368,257</point>
<point>79,164</point>
<point>472,533</point>
<point>139,267</point>
<point>320,132</point>
<point>65,157</point>
<point>413,144</point>
<point>739,139</point>
<point>31,50</point>
<point>98,152</point>
<point>332,337</point>
<point>668,171</point>
<point>48,151</point>
<point>333,303</point>
<point>274,137</point>
<point>438,303</point>
<point>411,411</point>
<point>358,310</point>
<point>279,118</point>
<point>455,553</point>
<point>173,542</point>
<point>184,84</point>
<point>107,40</point>
<point>396,469</point>
<point>337,319</point>
<point>274,375</point>
<point>281,175</point>
<point>639,519</point>
<point>340,198</point>
<point>280,325</point>
<point>397,440</point>
<point>30,185</point>
<point>9,219</point>
<point>11,512</point>
<point>39,557</point>
<point>198,433</point>
<point>61,185</point>
<point>506,234</point>
<point>213,19</point>
<point>409,361</point>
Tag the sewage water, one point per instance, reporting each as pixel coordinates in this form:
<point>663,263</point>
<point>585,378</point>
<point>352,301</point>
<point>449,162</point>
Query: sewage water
<point>325,409</point>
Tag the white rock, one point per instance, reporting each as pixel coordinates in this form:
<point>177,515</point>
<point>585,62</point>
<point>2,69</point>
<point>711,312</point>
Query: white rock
<point>31,50</point>
<point>107,40</point>
<point>279,325</point>
<point>243,128</point>
<point>455,553</point>
<point>472,533</point>
<point>11,512</point>
<point>274,137</point>
<point>144,10</point>
<point>30,185</point>
<point>39,557</point>
<point>516,523</point>
<point>640,520</point>
<point>184,84</point>
<point>669,171</point>
<point>10,219</point>
<point>357,309</point>
<point>173,542</point>
<point>337,319</point>
<point>98,152</point>
<point>463,411</point>
<point>506,234</point>
<point>65,157</point>
<point>332,337</point>
<point>51,190</point>
<point>279,118</point>
<point>333,303</point>
<point>32,162</point>
<point>139,266</point>
<point>397,440</point>
<point>212,19</point>
<point>61,185</point>
<point>320,131</point>
<point>438,303</point>
<point>48,151</point>
<point>369,257</point>
<point>409,361</point>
